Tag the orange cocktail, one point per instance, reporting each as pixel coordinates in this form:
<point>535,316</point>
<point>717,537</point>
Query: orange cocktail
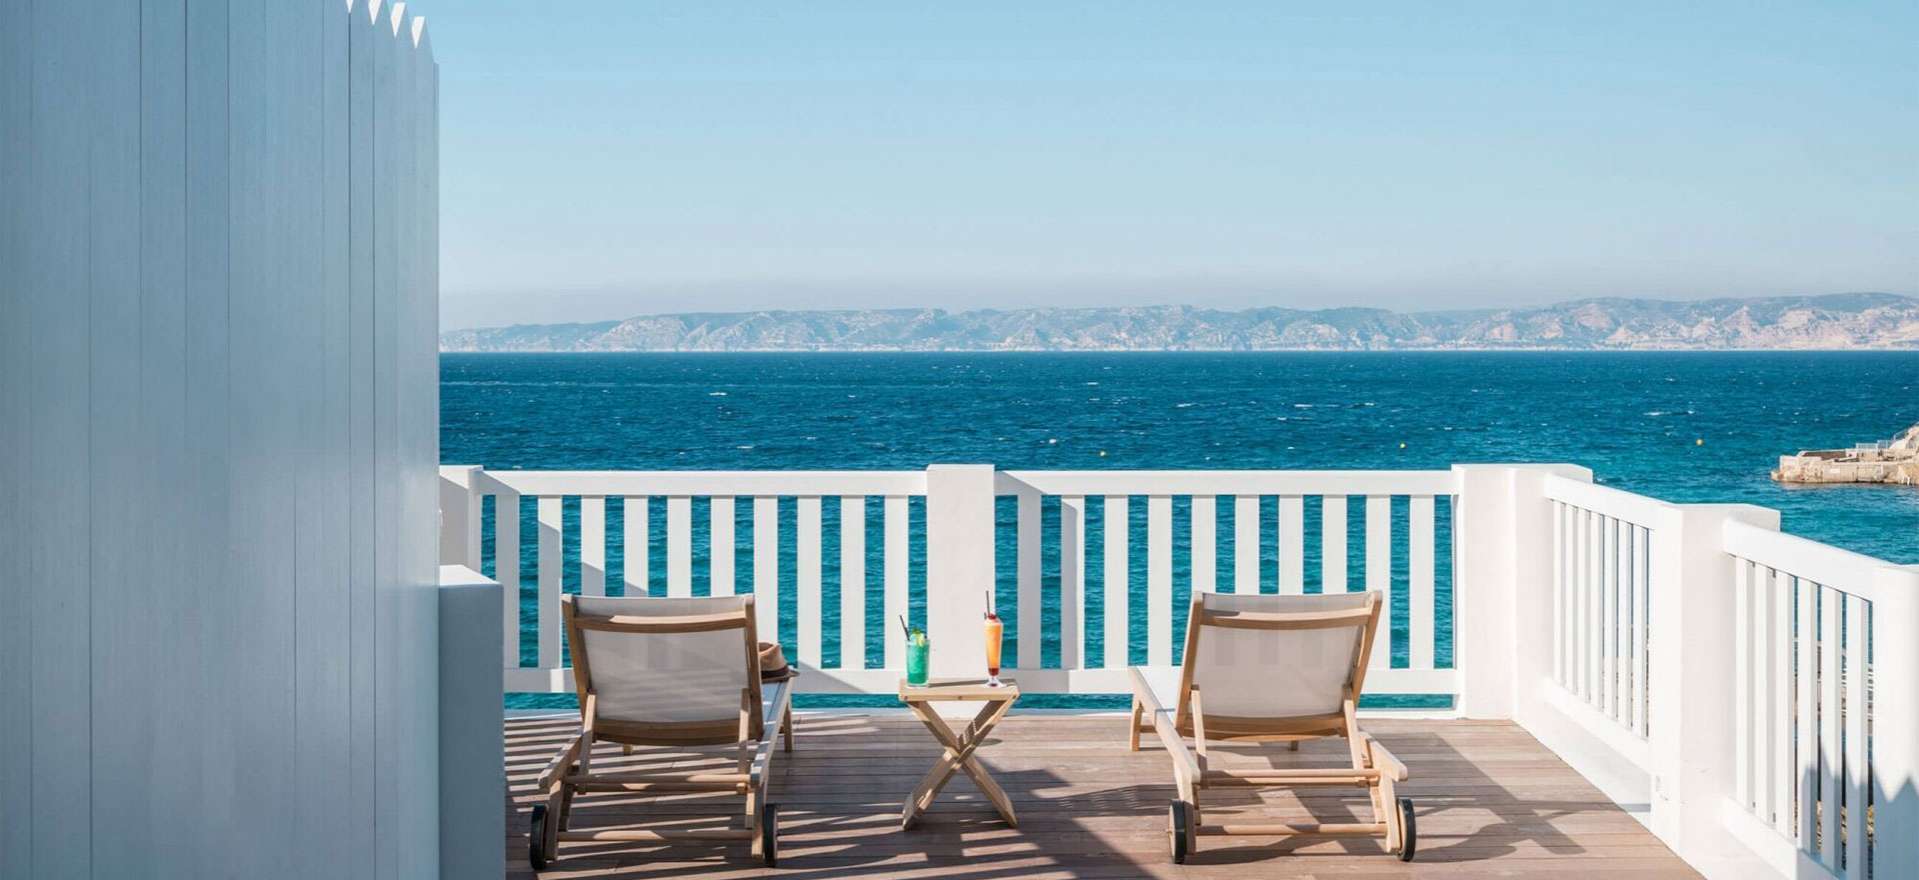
<point>993,630</point>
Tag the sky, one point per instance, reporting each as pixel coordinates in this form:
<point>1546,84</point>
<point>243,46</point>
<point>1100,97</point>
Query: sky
<point>601,159</point>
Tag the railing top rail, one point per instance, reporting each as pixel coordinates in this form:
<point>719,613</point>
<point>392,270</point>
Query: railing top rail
<point>1852,573</point>
<point>704,483</point>
<point>1227,482</point>
<point>1608,501</point>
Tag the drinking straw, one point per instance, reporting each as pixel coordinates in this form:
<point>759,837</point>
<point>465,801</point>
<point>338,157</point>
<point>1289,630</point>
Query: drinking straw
<point>908,629</point>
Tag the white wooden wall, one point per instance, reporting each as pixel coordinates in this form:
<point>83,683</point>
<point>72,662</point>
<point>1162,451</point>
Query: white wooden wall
<point>218,438</point>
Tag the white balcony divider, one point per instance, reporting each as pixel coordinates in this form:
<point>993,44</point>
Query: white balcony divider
<point>1753,697</point>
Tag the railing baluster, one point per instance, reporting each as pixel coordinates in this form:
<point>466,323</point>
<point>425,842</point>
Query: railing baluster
<point>1246,543</point>
<point>1830,614</point>
<point>1332,543</point>
<point>895,559</point>
<point>852,582</point>
<point>1857,777</point>
<point>1379,573</point>
<point>1609,619</point>
<point>1027,590</point>
<point>636,545</point>
<point>1582,604</point>
<point>1290,536</point>
<point>1596,615</point>
<point>1806,689</point>
<point>766,567</point>
<point>1641,659</point>
<point>1419,580</point>
<point>807,561</point>
<point>1764,756</point>
<point>506,570</point>
<point>592,545</point>
<point>1118,630</point>
<point>1204,545</point>
<point>1781,708</point>
<point>720,546</point>
<point>1072,581</point>
<point>548,605</point>
<point>1742,732</point>
<point>679,546</point>
<point>1159,580</point>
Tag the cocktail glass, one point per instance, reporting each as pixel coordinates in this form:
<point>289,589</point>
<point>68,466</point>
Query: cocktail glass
<point>917,649</point>
<point>993,631</point>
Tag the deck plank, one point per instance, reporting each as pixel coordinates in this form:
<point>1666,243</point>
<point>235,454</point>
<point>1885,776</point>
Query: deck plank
<point>1492,802</point>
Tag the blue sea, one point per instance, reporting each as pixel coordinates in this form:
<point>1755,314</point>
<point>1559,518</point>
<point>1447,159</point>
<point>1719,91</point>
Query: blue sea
<point>1686,427</point>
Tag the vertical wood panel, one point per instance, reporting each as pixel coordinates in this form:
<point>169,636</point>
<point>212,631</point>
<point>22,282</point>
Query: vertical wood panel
<point>60,596</point>
<point>720,519</point>
<point>1419,576</point>
<point>679,546</point>
<point>592,546</point>
<point>1290,532</point>
<point>17,188</point>
<point>636,545</point>
<point>364,610</point>
<point>853,582</point>
<point>1246,544</point>
<point>766,566</point>
<point>1118,629</point>
<point>1072,581</point>
<point>547,606</point>
<point>1379,573</point>
<point>1027,566</point>
<point>1159,580</point>
<point>807,558</point>
<point>1205,545</point>
<point>1332,543</point>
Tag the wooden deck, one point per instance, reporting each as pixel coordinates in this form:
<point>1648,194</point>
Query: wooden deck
<point>1491,802</point>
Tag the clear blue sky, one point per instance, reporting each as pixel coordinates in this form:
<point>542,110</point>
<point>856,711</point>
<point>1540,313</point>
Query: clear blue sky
<point>605,159</point>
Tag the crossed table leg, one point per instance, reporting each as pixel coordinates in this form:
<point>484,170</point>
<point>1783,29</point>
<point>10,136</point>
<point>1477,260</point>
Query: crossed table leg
<point>958,755</point>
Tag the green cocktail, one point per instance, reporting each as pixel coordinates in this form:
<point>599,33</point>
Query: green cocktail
<point>917,649</point>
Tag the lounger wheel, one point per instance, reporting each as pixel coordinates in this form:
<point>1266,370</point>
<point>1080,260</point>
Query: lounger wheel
<point>1409,830</point>
<point>536,838</point>
<point>770,834</point>
<point>1179,826</point>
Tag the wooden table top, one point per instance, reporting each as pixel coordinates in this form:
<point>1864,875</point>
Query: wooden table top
<point>958,689</point>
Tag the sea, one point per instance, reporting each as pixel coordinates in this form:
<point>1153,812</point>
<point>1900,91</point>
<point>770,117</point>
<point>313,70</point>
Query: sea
<point>1681,426</point>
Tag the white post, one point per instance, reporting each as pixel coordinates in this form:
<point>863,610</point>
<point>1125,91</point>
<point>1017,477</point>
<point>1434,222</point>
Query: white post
<point>1502,583</point>
<point>1690,687</point>
<point>1895,720</point>
<point>472,747</point>
<point>460,515</point>
<point>959,566</point>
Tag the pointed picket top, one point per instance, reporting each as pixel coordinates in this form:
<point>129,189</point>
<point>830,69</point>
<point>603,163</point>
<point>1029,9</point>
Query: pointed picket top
<point>372,11</point>
<point>398,17</point>
<point>419,30</point>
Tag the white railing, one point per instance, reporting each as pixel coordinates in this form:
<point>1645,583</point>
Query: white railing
<point>960,541</point>
<point>1751,696</point>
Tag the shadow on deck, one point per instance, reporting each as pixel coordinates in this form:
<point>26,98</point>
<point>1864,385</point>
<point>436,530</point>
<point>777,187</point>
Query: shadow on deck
<point>1491,801</point>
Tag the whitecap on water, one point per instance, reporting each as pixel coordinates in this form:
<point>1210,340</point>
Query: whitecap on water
<point>715,394</point>
<point>1183,405</point>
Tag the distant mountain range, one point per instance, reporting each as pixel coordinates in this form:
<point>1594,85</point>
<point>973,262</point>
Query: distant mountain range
<point>1837,321</point>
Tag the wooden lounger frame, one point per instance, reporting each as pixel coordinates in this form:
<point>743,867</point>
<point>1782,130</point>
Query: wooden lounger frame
<point>1373,767</point>
<point>761,717</point>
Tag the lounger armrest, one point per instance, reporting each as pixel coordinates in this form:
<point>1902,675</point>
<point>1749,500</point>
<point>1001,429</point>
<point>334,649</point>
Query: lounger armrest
<point>777,700</point>
<point>557,767</point>
<point>1185,766</point>
<point>1384,760</point>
